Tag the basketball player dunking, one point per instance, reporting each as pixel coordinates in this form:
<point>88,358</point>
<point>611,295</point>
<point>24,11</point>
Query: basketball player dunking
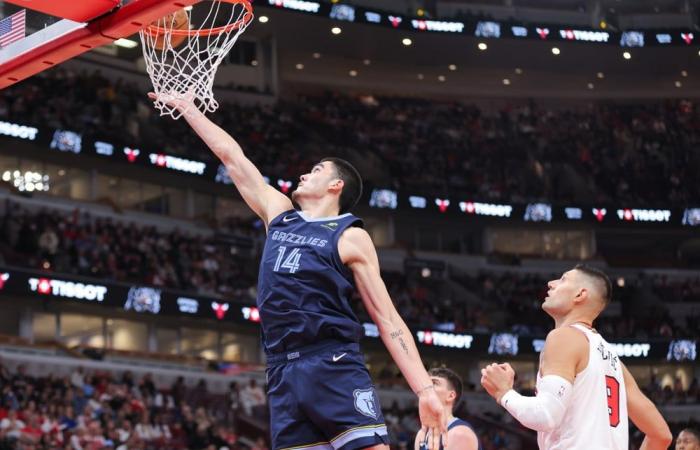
<point>584,392</point>
<point>320,393</point>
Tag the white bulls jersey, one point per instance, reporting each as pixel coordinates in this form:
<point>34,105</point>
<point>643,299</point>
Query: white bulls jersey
<point>597,415</point>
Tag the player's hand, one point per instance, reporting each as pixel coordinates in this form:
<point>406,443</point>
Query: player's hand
<point>432,418</point>
<point>182,103</point>
<point>497,379</point>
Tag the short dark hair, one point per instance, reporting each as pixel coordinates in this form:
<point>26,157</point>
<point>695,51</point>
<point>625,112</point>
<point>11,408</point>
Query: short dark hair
<point>691,430</point>
<point>352,189</point>
<point>599,277</point>
<point>453,380</point>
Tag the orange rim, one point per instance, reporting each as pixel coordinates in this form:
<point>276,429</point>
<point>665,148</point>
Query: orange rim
<point>155,30</point>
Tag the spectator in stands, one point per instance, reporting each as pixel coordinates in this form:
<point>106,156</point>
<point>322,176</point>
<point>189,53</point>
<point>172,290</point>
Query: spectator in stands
<point>177,390</point>
<point>53,424</point>
<point>96,247</point>
<point>77,378</point>
<point>224,437</point>
<point>78,438</point>
<point>31,432</point>
<point>48,244</point>
<point>87,242</point>
<point>67,421</point>
<point>11,427</point>
<point>148,387</point>
<point>252,396</point>
<point>259,444</point>
<point>128,379</point>
<point>153,432</point>
<point>520,152</point>
<point>234,397</point>
<point>200,394</point>
<point>125,434</point>
<point>50,428</point>
<point>94,438</point>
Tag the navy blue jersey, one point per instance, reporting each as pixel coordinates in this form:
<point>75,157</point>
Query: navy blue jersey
<point>304,289</point>
<point>456,422</point>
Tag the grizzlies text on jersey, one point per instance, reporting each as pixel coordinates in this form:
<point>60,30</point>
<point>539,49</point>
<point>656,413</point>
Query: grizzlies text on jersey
<point>303,287</point>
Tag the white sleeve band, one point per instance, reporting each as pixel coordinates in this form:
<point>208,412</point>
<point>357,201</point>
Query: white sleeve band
<point>545,411</point>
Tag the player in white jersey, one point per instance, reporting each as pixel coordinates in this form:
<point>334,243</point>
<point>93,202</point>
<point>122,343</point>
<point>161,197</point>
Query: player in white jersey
<point>584,392</point>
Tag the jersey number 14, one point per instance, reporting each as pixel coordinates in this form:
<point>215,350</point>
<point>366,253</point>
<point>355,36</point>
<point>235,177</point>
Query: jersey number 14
<point>290,262</point>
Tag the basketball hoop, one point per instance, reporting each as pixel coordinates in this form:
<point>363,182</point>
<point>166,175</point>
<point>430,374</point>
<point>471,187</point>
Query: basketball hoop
<point>183,51</point>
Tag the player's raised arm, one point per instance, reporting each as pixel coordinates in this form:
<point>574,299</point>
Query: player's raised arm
<point>645,416</point>
<point>262,198</point>
<point>358,253</point>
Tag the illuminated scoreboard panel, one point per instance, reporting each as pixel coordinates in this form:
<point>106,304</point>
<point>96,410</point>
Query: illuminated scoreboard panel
<point>487,29</point>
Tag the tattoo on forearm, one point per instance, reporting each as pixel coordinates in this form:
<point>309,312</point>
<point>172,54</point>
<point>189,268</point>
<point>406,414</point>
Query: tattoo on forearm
<point>403,345</point>
<point>397,334</point>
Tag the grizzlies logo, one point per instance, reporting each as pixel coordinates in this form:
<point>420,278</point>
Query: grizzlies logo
<point>365,402</point>
<point>142,299</point>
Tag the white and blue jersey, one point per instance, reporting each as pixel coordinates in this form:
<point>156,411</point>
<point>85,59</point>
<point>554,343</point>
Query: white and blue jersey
<point>320,394</point>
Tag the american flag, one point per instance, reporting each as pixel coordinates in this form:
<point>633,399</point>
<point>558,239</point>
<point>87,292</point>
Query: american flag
<point>12,28</point>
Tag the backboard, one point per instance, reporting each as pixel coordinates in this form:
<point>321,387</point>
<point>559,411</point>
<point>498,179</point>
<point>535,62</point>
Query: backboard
<point>58,30</point>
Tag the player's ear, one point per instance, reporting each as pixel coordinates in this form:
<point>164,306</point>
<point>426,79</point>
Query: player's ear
<point>581,295</point>
<point>337,184</point>
<point>451,395</point>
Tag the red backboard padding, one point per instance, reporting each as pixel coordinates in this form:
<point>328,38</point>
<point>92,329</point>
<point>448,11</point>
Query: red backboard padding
<point>125,22</point>
<point>75,10</point>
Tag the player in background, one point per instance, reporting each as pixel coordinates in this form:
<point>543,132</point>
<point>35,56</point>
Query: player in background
<point>688,439</point>
<point>319,390</point>
<point>461,434</point>
<point>584,392</point>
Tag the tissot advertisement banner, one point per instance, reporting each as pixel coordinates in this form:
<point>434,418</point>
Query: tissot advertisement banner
<point>156,301</point>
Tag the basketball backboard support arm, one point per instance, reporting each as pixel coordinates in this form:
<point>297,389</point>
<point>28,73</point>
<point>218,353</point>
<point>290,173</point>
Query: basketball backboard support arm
<point>67,39</point>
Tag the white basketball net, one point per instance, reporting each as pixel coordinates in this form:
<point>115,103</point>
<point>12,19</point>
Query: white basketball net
<point>187,70</point>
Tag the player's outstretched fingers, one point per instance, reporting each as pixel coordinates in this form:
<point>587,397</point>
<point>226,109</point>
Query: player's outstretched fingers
<point>507,367</point>
<point>161,98</point>
<point>434,439</point>
<point>443,437</point>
